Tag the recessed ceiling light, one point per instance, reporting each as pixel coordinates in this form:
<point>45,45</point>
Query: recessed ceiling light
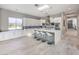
<point>43,7</point>
<point>69,9</point>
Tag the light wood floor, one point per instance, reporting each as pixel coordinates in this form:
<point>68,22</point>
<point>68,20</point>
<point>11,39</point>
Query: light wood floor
<point>30,46</point>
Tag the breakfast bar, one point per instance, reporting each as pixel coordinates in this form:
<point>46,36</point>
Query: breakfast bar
<point>53,36</point>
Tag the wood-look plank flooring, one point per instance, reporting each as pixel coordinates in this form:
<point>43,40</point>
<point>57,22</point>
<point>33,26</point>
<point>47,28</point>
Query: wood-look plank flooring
<point>30,46</point>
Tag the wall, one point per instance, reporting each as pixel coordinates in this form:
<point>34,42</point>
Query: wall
<point>78,25</point>
<point>6,13</point>
<point>0,19</point>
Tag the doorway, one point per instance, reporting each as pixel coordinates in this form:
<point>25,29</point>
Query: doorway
<point>72,26</point>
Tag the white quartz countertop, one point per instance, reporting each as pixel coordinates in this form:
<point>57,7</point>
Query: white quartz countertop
<point>52,30</point>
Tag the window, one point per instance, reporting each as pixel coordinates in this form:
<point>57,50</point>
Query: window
<point>14,23</point>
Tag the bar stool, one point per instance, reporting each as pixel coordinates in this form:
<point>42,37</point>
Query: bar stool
<point>39,35</point>
<point>44,34</point>
<point>35,34</point>
<point>50,38</point>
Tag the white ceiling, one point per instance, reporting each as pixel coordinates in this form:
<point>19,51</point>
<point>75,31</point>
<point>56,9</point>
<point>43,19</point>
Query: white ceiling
<point>32,9</point>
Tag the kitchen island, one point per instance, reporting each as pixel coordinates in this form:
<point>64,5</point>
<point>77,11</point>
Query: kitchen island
<point>56,34</point>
